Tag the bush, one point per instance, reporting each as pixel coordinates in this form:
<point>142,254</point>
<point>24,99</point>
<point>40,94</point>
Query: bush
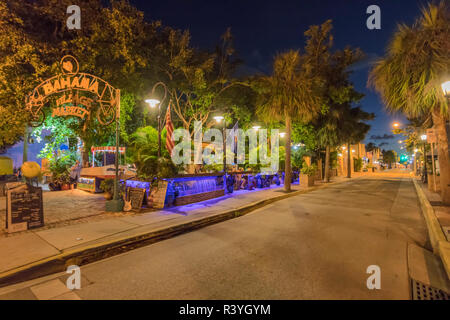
<point>107,185</point>
<point>309,170</point>
<point>60,167</point>
<point>358,164</point>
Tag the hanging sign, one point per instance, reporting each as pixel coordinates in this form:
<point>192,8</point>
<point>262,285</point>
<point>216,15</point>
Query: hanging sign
<point>70,83</point>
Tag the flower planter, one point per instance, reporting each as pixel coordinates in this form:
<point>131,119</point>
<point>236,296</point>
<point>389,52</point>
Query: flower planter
<point>307,181</point>
<point>65,187</point>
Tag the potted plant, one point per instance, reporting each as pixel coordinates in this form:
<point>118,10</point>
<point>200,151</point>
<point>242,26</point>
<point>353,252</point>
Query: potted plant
<point>107,185</point>
<point>307,174</point>
<point>60,170</point>
<point>64,180</point>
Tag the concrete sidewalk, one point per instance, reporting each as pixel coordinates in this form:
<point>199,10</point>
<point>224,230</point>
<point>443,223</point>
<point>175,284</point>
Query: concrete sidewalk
<point>437,217</point>
<point>43,251</point>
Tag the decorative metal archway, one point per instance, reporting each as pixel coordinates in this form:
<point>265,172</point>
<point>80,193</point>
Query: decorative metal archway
<point>96,91</point>
<point>69,84</point>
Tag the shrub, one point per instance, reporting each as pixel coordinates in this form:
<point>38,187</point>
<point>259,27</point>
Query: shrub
<point>358,164</point>
<point>107,185</point>
<point>309,170</point>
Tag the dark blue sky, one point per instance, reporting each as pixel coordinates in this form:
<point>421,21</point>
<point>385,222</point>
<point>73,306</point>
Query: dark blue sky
<point>263,28</point>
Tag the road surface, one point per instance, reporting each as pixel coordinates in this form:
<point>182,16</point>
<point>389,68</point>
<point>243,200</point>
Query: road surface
<point>312,246</point>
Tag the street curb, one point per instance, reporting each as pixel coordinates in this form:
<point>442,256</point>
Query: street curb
<point>98,251</point>
<point>441,247</point>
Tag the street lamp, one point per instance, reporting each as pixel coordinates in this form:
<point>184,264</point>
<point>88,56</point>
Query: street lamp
<point>153,102</point>
<point>424,138</point>
<point>446,88</point>
<point>396,125</point>
<point>282,134</point>
<point>256,128</point>
<point>219,120</point>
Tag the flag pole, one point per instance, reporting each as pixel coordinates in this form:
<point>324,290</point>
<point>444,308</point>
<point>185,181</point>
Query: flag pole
<point>116,160</point>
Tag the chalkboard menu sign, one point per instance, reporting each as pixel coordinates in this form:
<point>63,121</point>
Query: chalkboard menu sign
<point>160,195</point>
<point>24,208</point>
<point>136,196</point>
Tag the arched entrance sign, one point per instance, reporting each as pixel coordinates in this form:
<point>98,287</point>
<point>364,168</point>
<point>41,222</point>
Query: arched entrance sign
<point>98,98</point>
<point>81,95</point>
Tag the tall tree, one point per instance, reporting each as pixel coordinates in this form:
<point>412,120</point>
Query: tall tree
<point>353,129</point>
<point>410,74</point>
<point>339,93</point>
<point>290,93</point>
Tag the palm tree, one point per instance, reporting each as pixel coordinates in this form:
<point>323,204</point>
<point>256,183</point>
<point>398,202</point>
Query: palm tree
<point>327,136</point>
<point>353,129</point>
<point>409,76</point>
<point>289,94</point>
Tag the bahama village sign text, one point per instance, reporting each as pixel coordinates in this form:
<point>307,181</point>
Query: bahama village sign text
<point>81,93</point>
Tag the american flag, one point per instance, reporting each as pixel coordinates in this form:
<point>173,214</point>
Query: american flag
<point>169,128</point>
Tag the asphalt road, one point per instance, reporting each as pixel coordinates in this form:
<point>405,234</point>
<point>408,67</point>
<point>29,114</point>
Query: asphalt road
<point>312,246</point>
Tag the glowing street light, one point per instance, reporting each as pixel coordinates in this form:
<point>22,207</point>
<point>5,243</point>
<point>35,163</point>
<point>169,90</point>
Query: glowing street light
<point>396,125</point>
<point>282,134</point>
<point>423,137</point>
<point>256,128</point>
<point>446,88</point>
<point>153,102</point>
<point>218,119</point>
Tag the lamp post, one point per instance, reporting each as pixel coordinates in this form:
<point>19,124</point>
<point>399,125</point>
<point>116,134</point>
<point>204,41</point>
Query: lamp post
<point>425,177</point>
<point>219,120</point>
<point>153,102</point>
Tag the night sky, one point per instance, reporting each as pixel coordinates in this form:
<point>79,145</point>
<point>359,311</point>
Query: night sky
<point>263,28</point>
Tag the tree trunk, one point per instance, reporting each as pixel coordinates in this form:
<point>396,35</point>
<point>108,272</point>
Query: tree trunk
<point>327,165</point>
<point>287,166</point>
<point>443,157</point>
<point>25,145</point>
<point>349,159</point>
<point>84,154</point>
